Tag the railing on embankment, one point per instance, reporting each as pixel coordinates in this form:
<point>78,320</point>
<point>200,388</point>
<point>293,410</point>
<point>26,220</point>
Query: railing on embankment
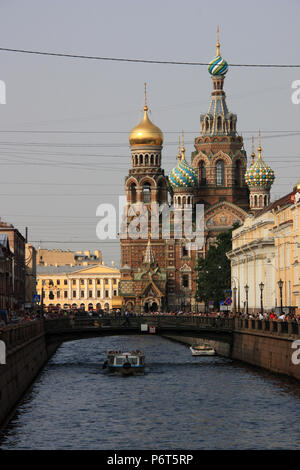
<point>161,322</point>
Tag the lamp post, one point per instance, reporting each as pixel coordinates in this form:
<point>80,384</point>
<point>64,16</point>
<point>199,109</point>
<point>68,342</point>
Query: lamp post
<point>246,287</point>
<point>234,299</point>
<point>280,285</point>
<point>261,286</point>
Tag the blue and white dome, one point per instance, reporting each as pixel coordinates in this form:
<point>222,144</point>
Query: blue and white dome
<point>183,175</point>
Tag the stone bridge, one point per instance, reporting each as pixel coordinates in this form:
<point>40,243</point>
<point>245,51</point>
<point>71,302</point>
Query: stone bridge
<point>69,329</point>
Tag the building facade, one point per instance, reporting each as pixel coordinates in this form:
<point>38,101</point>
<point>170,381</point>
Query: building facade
<point>215,178</point>
<point>47,257</point>
<point>17,247</point>
<point>6,274</point>
<point>265,254</point>
<point>90,288</point>
<point>30,271</point>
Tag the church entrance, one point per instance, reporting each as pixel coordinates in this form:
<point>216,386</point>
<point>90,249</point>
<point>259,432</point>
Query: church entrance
<point>150,306</point>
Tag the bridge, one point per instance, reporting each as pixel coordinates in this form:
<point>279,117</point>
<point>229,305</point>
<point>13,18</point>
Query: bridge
<point>69,329</point>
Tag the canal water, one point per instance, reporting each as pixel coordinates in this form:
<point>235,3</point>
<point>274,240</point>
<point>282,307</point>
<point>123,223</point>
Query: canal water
<point>181,402</point>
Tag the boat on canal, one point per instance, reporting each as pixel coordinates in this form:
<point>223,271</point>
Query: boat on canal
<point>125,363</point>
<point>202,350</point>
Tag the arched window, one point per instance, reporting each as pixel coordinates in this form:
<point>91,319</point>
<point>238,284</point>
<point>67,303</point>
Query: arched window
<point>141,159</point>
<point>207,124</point>
<point>260,201</point>
<point>133,193</point>
<point>237,173</point>
<point>220,173</point>
<point>266,200</point>
<point>202,173</point>
<point>152,160</point>
<point>219,123</point>
<point>147,193</point>
<point>136,160</point>
<point>255,200</point>
<point>146,159</point>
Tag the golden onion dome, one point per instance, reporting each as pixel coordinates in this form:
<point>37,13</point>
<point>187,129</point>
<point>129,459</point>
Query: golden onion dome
<point>146,133</point>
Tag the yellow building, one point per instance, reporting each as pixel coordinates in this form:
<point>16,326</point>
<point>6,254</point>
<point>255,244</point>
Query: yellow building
<point>286,235</point>
<point>265,251</point>
<point>253,263</point>
<point>94,287</point>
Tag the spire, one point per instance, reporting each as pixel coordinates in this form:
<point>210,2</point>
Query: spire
<point>149,256</point>
<point>179,149</point>
<point>218,42</point>
<point>259,145</point>
<point>145,97</point>
<point>253,153</point>
<point>182,148</point>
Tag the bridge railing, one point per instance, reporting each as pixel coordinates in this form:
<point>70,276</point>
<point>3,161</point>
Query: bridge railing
<point>18,334</point>
<point>268,326</point>
<point>159,321</point>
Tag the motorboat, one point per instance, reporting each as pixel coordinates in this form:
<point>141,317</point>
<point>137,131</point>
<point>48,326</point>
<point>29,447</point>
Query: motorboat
<point>125,363</point>
<point>202,350</point>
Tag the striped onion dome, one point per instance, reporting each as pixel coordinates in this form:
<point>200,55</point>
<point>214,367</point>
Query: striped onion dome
<point>218,66</point>
<point>259,174</point>
<point>183,175</point>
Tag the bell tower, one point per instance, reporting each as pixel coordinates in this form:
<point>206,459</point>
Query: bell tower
<point>220,159</point>
<point>145,185</point>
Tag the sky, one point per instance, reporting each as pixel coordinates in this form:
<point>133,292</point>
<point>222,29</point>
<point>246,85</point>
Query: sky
<point>64,128</point>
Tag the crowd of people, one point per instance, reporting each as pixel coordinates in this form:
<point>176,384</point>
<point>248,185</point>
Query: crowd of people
<point>9,318</point>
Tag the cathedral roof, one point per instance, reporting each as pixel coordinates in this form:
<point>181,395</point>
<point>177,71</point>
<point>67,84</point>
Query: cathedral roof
<point>218,66</point>
<point>259,174</point>
<point>146,133</point>
<point>183,175</point>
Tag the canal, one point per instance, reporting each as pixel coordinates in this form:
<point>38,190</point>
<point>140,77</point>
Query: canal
<point>181,402</point>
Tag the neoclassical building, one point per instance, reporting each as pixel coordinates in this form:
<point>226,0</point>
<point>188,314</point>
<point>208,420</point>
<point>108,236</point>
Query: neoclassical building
<point>94,287</point>
<point>214,177</point>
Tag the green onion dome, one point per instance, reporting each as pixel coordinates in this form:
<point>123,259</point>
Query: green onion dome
<point>183,175</point>
<point>218,66</point>
<point>259,174</point>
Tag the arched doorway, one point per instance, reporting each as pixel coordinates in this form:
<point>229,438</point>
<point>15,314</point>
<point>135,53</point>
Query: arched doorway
<point>151,305</point>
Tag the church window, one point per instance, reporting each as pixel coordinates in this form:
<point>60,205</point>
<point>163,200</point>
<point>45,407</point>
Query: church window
<point>185,251</point>
<point>133,193</point>
<point>146,159</point>
<point>141,159</point>
<point>220,173</point>
<point>237,173</point>
<point>202,173</point>
<point>151,159</point>
<point>147,193</point>
<point>219,123</point>
<point>185,280</point>
<point>255,200</point>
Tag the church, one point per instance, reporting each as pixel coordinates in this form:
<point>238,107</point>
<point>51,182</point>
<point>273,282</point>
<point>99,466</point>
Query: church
<point>157,273</point>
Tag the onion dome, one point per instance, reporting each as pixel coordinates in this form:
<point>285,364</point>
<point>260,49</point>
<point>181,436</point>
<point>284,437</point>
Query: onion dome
<point>259,174</point>
<point>183,175</point>
<point>146,133</point>
<point>218,66</point>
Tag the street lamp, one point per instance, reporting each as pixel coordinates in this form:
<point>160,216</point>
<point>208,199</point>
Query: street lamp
<point>246,287</point>
<point>234,299</point>
<point>280,285</point>
<point>261,286</point>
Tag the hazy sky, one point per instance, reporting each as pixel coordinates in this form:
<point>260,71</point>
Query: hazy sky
<point>53,181</point>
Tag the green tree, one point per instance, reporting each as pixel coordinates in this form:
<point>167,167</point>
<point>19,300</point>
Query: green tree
<point>213,273</point>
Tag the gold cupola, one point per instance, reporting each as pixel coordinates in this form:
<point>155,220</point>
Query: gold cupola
<point>146,133</point>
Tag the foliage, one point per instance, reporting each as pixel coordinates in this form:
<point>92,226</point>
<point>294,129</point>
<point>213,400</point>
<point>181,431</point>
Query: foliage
<point>213,273</point>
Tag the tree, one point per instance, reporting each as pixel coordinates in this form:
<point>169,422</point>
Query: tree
<point>213,273</point>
